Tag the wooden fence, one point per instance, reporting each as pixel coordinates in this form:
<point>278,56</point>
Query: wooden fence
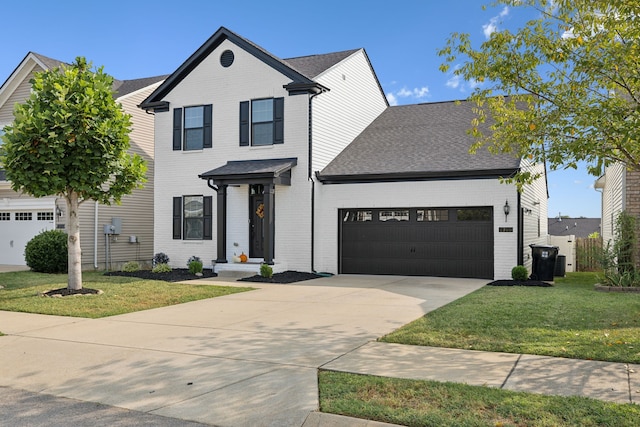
<point>588,254</point>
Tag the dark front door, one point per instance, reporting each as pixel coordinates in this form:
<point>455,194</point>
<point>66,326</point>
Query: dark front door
<point>256,221</point>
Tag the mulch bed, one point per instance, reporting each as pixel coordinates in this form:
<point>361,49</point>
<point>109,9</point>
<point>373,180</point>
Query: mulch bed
<point>175,275</point>
<point>520,283</point>
<point>66,292</point>
<point>289,276</point>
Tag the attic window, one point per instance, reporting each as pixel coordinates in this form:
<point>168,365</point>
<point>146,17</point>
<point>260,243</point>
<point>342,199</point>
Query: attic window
<point>226,59</point>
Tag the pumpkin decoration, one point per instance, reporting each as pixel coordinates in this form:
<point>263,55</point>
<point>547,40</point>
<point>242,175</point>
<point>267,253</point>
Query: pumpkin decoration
<point>235,258</point>
<point>243,257</point>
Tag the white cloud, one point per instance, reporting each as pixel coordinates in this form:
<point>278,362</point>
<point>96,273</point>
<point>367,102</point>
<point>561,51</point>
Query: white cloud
<point>392,99</point>
<point>417,93</point>
<point>492,26</point>
<point>454,82</point>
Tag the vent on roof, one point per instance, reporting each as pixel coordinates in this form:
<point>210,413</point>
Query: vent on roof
<point>226,59</point>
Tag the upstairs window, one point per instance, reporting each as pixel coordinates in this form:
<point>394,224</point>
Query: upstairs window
<point>262,122</point>
<point>192,128</point>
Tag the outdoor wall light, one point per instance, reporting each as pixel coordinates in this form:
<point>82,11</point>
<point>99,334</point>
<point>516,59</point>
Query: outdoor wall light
<point>507,209</point>
<point>58,211</point>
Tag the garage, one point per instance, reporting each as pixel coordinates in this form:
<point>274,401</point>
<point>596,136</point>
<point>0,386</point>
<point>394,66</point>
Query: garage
<point>445,242</point>
<point>20,221</point>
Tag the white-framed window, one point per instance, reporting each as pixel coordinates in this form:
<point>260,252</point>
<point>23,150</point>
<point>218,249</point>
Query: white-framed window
<point>262,122</point>
<point>192,217</point>
<point>24,216</point>
<point>45,216</point>
<point>193,127</point>
<point>5,216</point>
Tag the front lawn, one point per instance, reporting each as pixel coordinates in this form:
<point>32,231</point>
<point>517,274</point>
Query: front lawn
<point>569,319</point>
<point>430,403</point>
<point>121,294</point>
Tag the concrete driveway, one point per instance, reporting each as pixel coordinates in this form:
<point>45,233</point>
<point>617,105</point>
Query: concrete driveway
<point>239,360</point>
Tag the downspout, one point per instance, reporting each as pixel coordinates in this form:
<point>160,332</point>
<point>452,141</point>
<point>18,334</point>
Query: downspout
<point>520,237</point>
<point>313,183</point>
<point>95,237</point>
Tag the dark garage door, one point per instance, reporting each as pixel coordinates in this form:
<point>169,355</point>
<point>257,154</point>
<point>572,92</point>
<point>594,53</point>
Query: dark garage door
<point>447,242</point>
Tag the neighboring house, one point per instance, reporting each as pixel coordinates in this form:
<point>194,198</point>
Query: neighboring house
<point>564,232</point>
<point>620,189</point>
<point>23,216</point>
<point>578,227</point>
<point>302,164</point>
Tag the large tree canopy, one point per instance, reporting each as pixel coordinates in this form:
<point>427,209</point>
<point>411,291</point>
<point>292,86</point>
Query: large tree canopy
<point>563,89</point>
<point>70,138</point>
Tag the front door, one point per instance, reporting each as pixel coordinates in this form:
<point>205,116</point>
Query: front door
<point>256,221</point>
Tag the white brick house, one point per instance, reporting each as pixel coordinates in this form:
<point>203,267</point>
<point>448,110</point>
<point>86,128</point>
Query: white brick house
<point>278,159</point>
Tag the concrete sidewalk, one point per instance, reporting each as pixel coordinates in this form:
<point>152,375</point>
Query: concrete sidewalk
<point>614,382</point>
<point>251,359</point>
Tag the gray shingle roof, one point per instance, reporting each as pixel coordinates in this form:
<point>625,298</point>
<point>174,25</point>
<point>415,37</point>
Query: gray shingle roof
<point>313,65</point>
<point>124,87</point>
<point>417,141</point>
<point>121,87</point>
<point>579,227</point>
<point>254,168</point>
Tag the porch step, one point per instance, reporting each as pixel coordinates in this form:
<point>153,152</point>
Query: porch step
<point>245,269</point>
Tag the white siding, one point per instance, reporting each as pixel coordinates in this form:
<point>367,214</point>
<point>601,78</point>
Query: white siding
<point>353,102</point>
<point>136,209</point>
<point>613,199</point>
<point>534,204</point>
<point>177,171</point>
<point>452,193</point>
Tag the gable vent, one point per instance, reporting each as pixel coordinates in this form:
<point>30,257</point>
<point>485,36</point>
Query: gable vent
<point>226,59</point>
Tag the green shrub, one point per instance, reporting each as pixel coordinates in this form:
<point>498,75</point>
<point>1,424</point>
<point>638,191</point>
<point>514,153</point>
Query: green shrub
<point>519,272</point>
<point>160,258</point>
<point>47,252</point>
<point>131,266</point>
<point>266,271</point>
<point>161,268</point>
<point>195,267</point>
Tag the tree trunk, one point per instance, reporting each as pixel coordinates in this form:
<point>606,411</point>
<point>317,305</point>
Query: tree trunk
<point>74,281</point>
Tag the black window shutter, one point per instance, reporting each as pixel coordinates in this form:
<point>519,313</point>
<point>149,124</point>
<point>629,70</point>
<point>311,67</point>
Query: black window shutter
<point>177,218</point>
<point>207,210</point>
<point>278,120</point>
<point>177,128</point>
<point>208,119</point>
<point>244,123</point>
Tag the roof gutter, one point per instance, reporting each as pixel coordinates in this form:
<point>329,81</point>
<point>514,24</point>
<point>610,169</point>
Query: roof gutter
<point>415,176</point>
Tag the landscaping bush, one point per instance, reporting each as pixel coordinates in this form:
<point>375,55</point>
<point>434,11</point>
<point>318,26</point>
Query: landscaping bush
<point>266,271</point>
<point>160,258</point>
<point>519,272</point>
<point>195,266</point>
<point>131,266</point>
<point>47,252</point>
<point>161,268</point>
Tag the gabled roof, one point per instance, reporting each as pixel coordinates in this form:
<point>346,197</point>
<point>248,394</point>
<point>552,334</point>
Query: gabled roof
<point>301,70</point>
<point>314,65</point>
<point>579,227</point>
<point>415,142</point>
<point>26,66</point>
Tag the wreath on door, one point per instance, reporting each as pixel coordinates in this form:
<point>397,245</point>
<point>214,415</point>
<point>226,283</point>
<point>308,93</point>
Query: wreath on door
<point>260,210</point>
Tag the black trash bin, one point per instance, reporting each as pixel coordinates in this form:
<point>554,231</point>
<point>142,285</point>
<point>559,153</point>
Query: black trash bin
<point>561,266</point>
<point>544,262</point>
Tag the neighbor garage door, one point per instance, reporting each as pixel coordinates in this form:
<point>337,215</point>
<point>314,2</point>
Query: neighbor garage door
<point>447,242</point>
<point>17,228</point>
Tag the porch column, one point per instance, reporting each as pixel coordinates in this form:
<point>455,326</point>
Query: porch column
<point>269,224</point>
<point>222,224</point>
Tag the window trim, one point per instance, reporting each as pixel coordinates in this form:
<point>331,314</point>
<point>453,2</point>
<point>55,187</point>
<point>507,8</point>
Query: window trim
<point>179,218</point>
<point>247,134</point>
<point>180,129</point>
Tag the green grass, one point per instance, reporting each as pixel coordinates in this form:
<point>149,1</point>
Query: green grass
<point>570,320</point>
<point>429,403</point>
<point>121,294</point>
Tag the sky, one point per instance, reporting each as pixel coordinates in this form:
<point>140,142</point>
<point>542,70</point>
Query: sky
<point>134,39</point>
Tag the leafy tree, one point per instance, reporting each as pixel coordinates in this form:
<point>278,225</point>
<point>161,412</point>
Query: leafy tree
<point>567,81</point>
<point>70,139</point>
